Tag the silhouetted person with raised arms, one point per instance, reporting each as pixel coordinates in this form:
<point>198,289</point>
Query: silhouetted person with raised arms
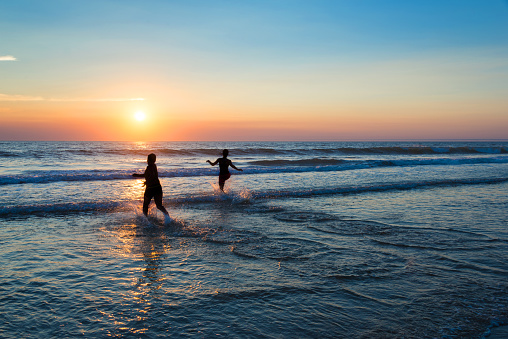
<point>224,164</point>
<point>153,186</point>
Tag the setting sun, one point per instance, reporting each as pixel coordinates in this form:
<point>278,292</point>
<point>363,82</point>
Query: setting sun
<point>140,116</point>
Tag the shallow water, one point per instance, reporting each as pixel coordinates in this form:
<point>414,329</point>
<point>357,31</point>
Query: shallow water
<point>394,251</point>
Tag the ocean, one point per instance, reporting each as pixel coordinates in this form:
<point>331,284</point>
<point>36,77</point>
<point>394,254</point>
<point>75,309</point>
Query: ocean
<point>311,240</point>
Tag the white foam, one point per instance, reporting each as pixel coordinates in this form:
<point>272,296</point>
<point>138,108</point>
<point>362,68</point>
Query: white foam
<point>167,219</point>
<point>41,177</point>
<point>242,196</point>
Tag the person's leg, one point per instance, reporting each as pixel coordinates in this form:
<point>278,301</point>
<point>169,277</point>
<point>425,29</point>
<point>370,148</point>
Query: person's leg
<point>146,203</point>
<point>158,202</point>
<point>222,180</point>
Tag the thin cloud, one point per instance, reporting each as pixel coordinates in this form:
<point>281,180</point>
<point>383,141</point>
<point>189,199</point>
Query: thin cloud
<point>7,58</point>
<point>94,100</point>
<point>7,97</point>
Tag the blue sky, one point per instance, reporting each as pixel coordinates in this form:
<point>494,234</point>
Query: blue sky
<point>333,58</point>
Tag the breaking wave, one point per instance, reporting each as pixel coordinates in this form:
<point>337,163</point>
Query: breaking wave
<point>105,206</point>
<point>258,167</point>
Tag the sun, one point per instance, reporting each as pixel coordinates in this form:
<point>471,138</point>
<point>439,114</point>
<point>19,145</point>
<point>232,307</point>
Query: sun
<point>140,116</point>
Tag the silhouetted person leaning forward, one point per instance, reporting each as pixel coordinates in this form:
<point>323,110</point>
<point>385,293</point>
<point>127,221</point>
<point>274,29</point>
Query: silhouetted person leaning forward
<point>153,186</point>
<point>224,164</point>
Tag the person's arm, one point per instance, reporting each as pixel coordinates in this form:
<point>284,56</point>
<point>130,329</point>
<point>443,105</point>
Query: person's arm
<point>213,163</point>
<point>139,175</point>
<point>231,164</point>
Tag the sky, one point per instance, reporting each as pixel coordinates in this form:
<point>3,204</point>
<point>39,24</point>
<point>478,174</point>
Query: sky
<point>253,70</point>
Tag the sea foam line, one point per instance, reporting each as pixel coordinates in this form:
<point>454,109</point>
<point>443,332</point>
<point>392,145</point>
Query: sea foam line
<point>268,166</point>
<point>240,197</point>
<point>295,149</point>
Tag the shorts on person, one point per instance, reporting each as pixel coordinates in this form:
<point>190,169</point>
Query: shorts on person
<point>223,177</point>
<point>153,191</point>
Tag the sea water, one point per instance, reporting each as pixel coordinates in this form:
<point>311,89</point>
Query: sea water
<point>311,240</point>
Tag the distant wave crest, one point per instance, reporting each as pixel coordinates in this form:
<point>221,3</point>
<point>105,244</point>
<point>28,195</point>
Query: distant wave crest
<point>259,167</point>
<point>90,149</point>
<point>301,162</point>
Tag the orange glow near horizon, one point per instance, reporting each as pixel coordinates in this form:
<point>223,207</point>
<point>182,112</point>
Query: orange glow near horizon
<point>209,120</point>
<point>347,123</point>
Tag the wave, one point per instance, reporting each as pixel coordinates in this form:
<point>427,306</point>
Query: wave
<point>263,167</point>
<point>301,162</point>
<point>205,152</point>
<point>45,177</point>
<point>90,149</point>
<point>418,150</point>
<point>59,208</point>
<point>111,206</point>
<point>379,188</point>
<point>7,154</point>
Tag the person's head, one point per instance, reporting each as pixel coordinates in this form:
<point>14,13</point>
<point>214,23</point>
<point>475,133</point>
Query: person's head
<point>151,159</point>
<point>225,153</point>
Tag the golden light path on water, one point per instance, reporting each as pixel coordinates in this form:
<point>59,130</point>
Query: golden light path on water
<point>144,244</point>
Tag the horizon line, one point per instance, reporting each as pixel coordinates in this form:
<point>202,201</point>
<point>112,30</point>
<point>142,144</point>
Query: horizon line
<point>353,140</point>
